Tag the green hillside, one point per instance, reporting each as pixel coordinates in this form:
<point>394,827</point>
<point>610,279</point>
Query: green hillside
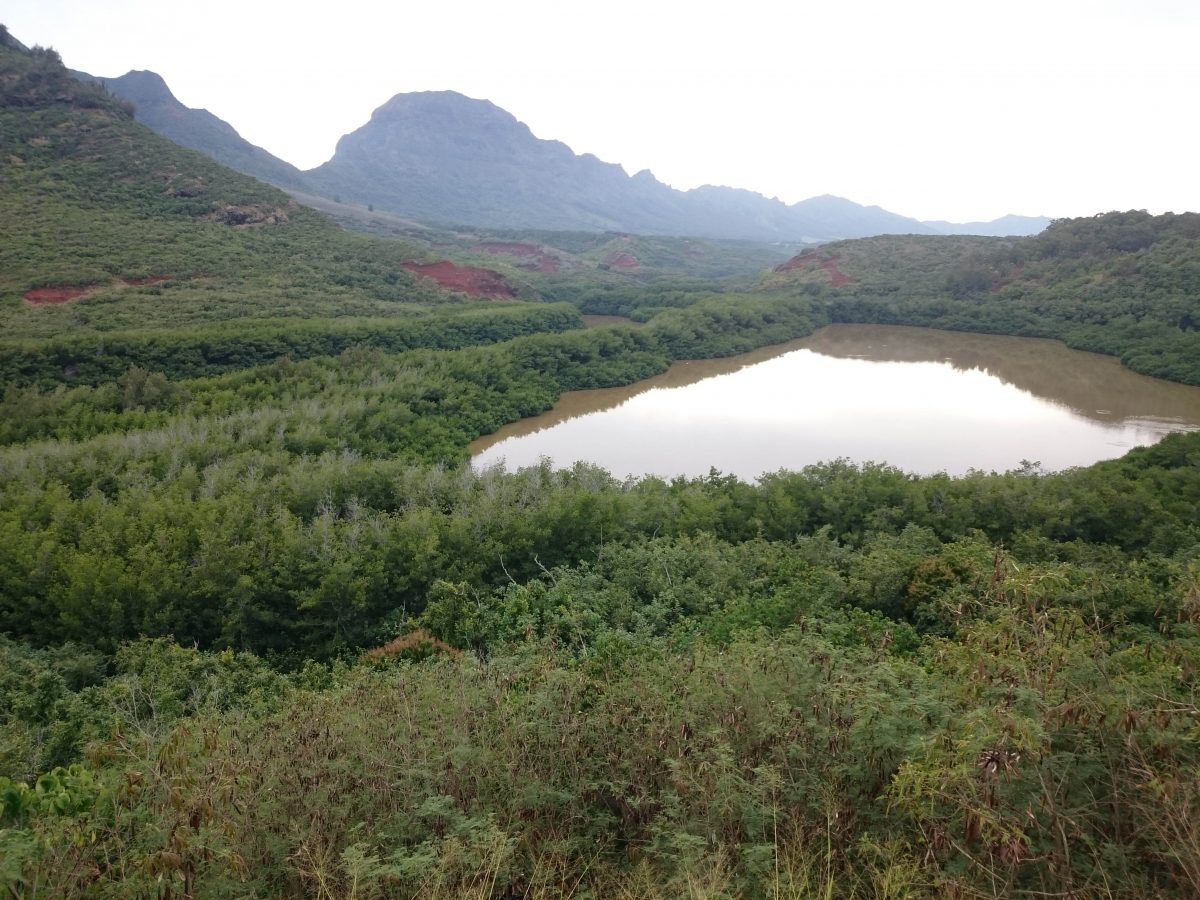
<point>264,634</point>
<point>118,247</point>
<point>1126,284</point>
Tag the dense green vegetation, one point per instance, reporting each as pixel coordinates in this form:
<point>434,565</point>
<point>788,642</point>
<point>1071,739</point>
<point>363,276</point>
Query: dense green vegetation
<point>192,351</point>
<point>845,679</point>
<point>263,633</point>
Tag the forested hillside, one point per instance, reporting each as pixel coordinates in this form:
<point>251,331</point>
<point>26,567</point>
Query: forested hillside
<point>263,632</point>
<point>1125,284</point>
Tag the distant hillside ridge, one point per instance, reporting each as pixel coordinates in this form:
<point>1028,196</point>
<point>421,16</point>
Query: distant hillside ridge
<point>448,158</point>
<point>7,40</point>
<point>1122,283</point>
<point>1005,226</point>
<point>158,109</point>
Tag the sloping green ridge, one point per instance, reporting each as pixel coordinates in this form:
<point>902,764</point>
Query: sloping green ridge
<point>208,350</point>
<point>190,268</point>
<point>1123,283</point>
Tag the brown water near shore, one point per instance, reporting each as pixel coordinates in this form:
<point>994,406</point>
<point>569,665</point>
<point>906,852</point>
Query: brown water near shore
<point>916,398</point>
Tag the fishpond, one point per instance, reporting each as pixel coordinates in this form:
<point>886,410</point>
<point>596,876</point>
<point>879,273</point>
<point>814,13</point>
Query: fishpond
<point>922,400</point>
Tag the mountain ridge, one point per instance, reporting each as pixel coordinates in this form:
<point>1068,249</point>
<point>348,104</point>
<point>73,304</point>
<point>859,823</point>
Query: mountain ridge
<point>1009,225</point>
<point>442,155</point>
<point>156,107</point>
<point>445,158</point>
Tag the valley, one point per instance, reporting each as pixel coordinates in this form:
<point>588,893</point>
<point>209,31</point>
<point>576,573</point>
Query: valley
<point>266,631</point>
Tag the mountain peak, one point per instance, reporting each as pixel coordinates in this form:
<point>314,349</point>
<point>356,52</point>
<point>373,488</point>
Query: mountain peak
<point>443,105</point>
<point>446,157</point>
<point>437,98</point>
<point>7,40</point>
<point>159,109</point>
<point>141,86</point>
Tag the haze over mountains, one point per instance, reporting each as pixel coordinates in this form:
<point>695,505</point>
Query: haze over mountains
<point>445,158</point>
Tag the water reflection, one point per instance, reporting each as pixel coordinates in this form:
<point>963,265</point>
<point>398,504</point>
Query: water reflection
<point>920,399</point>
<point>1090,384</point>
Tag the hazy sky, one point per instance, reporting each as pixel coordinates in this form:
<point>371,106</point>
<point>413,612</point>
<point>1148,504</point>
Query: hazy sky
<point>961,110</point>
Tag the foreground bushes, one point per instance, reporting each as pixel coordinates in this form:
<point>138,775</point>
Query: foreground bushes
<point>651,690</point>
<point>1033,753</point>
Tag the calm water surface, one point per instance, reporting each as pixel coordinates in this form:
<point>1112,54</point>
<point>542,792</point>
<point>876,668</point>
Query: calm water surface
<point>923,400</point>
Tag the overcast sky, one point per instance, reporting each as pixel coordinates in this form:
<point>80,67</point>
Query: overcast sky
<point>960,110</point>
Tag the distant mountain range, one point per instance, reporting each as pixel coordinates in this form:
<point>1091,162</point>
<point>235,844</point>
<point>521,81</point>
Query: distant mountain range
<point>1005,226</point>
<point>445,158</point>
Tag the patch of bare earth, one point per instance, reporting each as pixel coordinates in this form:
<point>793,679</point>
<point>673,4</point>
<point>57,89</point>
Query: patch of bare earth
<point>56,294</point>
<point>47,296</point>
<point>532,256</point>
<point>811,262</point>
<point>470,280</point>
<point>622,260</point>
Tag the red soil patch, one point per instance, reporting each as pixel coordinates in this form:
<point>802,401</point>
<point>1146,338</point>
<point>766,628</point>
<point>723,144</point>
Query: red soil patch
<point>47,295</point>
<point>836,276</point>
<point>467,279</point>
<point>803,261</point>
<point>622,260</point>
<point>810,262</point>
<point>538,259</point>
